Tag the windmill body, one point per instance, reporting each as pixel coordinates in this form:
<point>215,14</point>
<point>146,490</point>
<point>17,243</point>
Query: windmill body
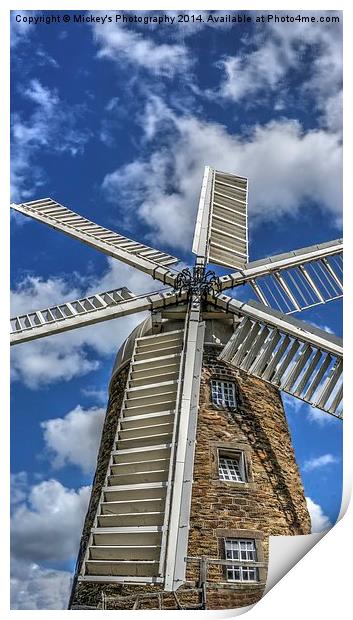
<point>196,467</point>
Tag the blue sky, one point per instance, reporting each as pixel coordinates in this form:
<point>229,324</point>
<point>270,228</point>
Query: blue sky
<point>117,122</point>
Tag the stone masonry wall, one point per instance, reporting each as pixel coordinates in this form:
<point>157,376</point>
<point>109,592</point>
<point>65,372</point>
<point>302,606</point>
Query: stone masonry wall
<point>271,502</point>
<point>106,444</point>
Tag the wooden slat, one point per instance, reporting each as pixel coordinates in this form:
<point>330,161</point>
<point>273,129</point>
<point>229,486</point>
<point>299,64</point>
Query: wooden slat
<point>127,536</point>
<point>302,361</point>
<point>128,251</point>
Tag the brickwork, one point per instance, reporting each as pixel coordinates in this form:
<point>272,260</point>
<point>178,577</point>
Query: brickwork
<point>270,502</point>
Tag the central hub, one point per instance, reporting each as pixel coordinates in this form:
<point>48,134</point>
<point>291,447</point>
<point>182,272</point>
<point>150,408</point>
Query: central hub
<point>197,282</point>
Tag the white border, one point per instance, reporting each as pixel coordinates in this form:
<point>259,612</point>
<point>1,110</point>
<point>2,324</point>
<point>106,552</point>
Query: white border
<point>306,590</point>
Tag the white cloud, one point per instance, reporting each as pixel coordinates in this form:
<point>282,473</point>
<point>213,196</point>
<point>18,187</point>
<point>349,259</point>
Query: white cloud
<point>46,363</point>
<point>44,58</point>
<point>25,176</point>
<point>19,485</point>
<point>35,587</point>
<point>98,395</point>
<point>119,43</point>
<point>47,526</point>
<point>286,166</point>
<point>325,82</point>
<point>19,30</point>
<point>74,439</point>
<point>325,328</point>
<point>34,290</point>
<point>313,414</point>
<point>319,417</point>
<point>280,50</point>
<point>51,125</point>
<point>319,462</point>
<point>43,97</point>
<point>247,74</point>
<point>113,104</point>
<point>293,404</point>
<point>75,353</point>
<point>319,521</point>
<point>332,107</point>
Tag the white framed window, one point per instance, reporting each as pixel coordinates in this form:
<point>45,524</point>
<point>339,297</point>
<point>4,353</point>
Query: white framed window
<point>241,550</point>
<point>223,393</point>
<point>231,466</point>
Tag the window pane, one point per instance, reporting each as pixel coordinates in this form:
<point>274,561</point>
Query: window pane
<point>230,468</point>
<point>223,393</point>
<point>233,574</point>
<point>245,550</point>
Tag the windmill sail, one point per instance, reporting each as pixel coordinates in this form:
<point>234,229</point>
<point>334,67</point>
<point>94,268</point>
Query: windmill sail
<point>221,226</point>
<point>85,311</point>
<point>138,518</point>
<point>296,280</point>
<point>297,358</point>
<point>151,261</point>
<point>179,517</point>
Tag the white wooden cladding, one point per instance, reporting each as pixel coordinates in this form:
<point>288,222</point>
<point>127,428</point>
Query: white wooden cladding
<point>228,232</point>
<point>221,228</point>
<point>289,360</point>
<point>138,255</point>
<point>85,311</point>
<point>128,538</point>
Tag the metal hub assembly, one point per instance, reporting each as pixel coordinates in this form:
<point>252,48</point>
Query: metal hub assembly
<point>198,283</point>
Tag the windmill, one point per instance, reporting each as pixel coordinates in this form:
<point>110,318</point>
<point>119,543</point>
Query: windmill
<point>141,525</point>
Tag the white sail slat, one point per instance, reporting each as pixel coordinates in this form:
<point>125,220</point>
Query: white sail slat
<point>221,226</point>
<point>86,311</point>
<point>295,357</point>
<point>127,539</point>
<point>136,254</point>
<point>296,280</point>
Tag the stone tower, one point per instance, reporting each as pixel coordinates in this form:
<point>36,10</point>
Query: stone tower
<point>246,486</point>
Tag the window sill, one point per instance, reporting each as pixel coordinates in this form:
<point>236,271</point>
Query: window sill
<point>242,482</point>
<point>244,486</point>
<point>240,585</point>
<point>225,408</point>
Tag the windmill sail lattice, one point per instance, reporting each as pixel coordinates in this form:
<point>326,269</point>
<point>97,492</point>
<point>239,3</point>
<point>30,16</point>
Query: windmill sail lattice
<point>296,280</point>
<point>85,311</point>
<point>221,232</point>
<point>129,537</point>
<point>303,361</point>
<point>136,254</point>
<point>141,523</point>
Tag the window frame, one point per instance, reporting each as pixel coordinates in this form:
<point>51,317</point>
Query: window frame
<point>227,447</point>
<point>223,403</point>
<point>242,465</point>
<point>242,569</point>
